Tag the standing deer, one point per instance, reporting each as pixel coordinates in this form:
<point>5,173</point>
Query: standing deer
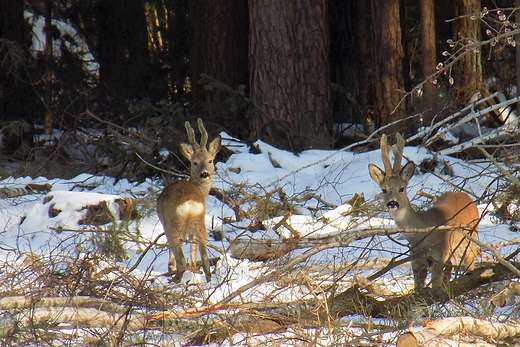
<point>181,206</point>
<point>440,249</point>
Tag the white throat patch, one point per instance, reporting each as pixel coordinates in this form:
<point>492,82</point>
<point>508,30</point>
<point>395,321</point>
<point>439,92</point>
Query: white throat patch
<point>190,208</point>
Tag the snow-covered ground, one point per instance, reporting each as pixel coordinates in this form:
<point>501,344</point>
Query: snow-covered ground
<point>334,176</point>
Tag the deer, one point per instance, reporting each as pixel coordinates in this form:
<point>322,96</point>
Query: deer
<point>181,206</point>
<point>441,249</point>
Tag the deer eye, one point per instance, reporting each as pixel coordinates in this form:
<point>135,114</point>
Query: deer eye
<point>211,161</point>
<point>384,190</point>
<point>195,163</point>
<point>401,190</point>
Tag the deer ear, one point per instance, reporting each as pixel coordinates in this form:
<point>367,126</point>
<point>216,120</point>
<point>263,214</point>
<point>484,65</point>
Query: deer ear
<point>214,145</point>
<point>376,173</point>
<point>407,171</point>
<point>186,150</point>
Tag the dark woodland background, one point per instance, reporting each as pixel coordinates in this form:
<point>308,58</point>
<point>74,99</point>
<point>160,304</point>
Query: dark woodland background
<point>282,71</point>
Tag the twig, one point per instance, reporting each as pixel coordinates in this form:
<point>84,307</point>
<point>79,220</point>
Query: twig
<point>429,130</point>
<point>120,128</point>
<point>500,168</point>
<point>173,173</point>
<point>143,253</point>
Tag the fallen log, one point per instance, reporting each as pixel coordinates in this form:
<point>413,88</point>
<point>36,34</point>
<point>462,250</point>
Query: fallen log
<point>459,331</point>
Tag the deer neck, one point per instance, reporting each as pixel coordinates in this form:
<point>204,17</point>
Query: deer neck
<point>204,184</point>
<point>407,217</point>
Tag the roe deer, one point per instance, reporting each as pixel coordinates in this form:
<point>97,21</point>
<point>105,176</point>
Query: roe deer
<point>181,206</point>
<point>440,249</point>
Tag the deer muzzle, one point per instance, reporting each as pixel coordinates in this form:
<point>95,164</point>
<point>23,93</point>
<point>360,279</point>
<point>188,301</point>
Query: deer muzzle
<point>392,205</point>
<point>204,175</point>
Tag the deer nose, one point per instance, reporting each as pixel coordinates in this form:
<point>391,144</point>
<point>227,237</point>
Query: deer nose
<point>392,205</point>
<point>204,175</point>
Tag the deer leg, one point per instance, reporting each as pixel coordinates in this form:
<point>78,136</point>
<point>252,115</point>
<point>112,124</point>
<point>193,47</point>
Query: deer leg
<point>441,274</point>
<point>177,262</point>
<point>202,239</point>
<point>193,254</point>
<point>172,264</point>
<point>205,260</point>
<point>420,272</point>
<point>468,258</point>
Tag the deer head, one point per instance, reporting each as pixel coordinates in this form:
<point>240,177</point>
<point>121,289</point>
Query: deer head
<point>200,155</point>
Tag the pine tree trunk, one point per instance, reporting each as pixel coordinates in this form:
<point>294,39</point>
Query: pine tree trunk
<point>289,72</point>
<point>388,65</point>
<point>467,72</point>
<point>428,58</point>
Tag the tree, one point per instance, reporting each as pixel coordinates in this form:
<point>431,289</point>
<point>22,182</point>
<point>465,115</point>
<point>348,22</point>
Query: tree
<point>218,48</point>
<point>389,82</point>
<point>428,56</point>
<point>344,57</point>
<point>467,72</point>
<point>289,72</point>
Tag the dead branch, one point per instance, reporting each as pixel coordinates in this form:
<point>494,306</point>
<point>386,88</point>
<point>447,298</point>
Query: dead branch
<point>266,249</point>
<point>429,130</point>
<point>24,302</point>
<point>120,128</point>
<point>225,199</point>
<point>500,168</point>
<point>73,316</point>
<point>352,301</point>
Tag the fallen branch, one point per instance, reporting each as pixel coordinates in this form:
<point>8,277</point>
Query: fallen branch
<point>440,332</point>
<point>353,301</point>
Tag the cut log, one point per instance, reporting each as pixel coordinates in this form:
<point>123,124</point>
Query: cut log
<point>461,331</point>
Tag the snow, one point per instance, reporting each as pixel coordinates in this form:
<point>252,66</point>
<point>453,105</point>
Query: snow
<point>335,176</point>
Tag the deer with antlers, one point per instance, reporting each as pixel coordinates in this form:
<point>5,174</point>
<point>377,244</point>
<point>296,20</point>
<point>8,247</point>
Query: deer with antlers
<point>181,206</point>
<point>438,250</point>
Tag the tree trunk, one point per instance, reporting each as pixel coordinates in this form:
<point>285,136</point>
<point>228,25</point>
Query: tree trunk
<point>49,64</point>
<point>343,60</point>
<point>365,66</point>
<point>467,72</point>
<point>428,58</point>
<point>389,80</point>
<point>517,58</point>
<point>289,72</point>
<point>218,48</point>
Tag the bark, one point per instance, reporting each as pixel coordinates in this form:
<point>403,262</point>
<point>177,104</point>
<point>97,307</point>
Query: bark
<point>428,57</point>
<point>364,35</point>
<point>218,44</point>
<point>49,66</point>
<point>289,72</point>
<point>467,72</point>
<point>389,83</point>
<point>343,60</point>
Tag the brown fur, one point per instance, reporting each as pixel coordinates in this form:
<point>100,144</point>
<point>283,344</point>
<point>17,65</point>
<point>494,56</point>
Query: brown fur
<point>181,206</point>
<point>438,250</point>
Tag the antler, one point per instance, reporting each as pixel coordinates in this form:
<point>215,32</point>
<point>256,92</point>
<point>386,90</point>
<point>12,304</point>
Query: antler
<point>398,149</point>
<point>191,134</point>
<point>385,155</point>
<point>203,134</point>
